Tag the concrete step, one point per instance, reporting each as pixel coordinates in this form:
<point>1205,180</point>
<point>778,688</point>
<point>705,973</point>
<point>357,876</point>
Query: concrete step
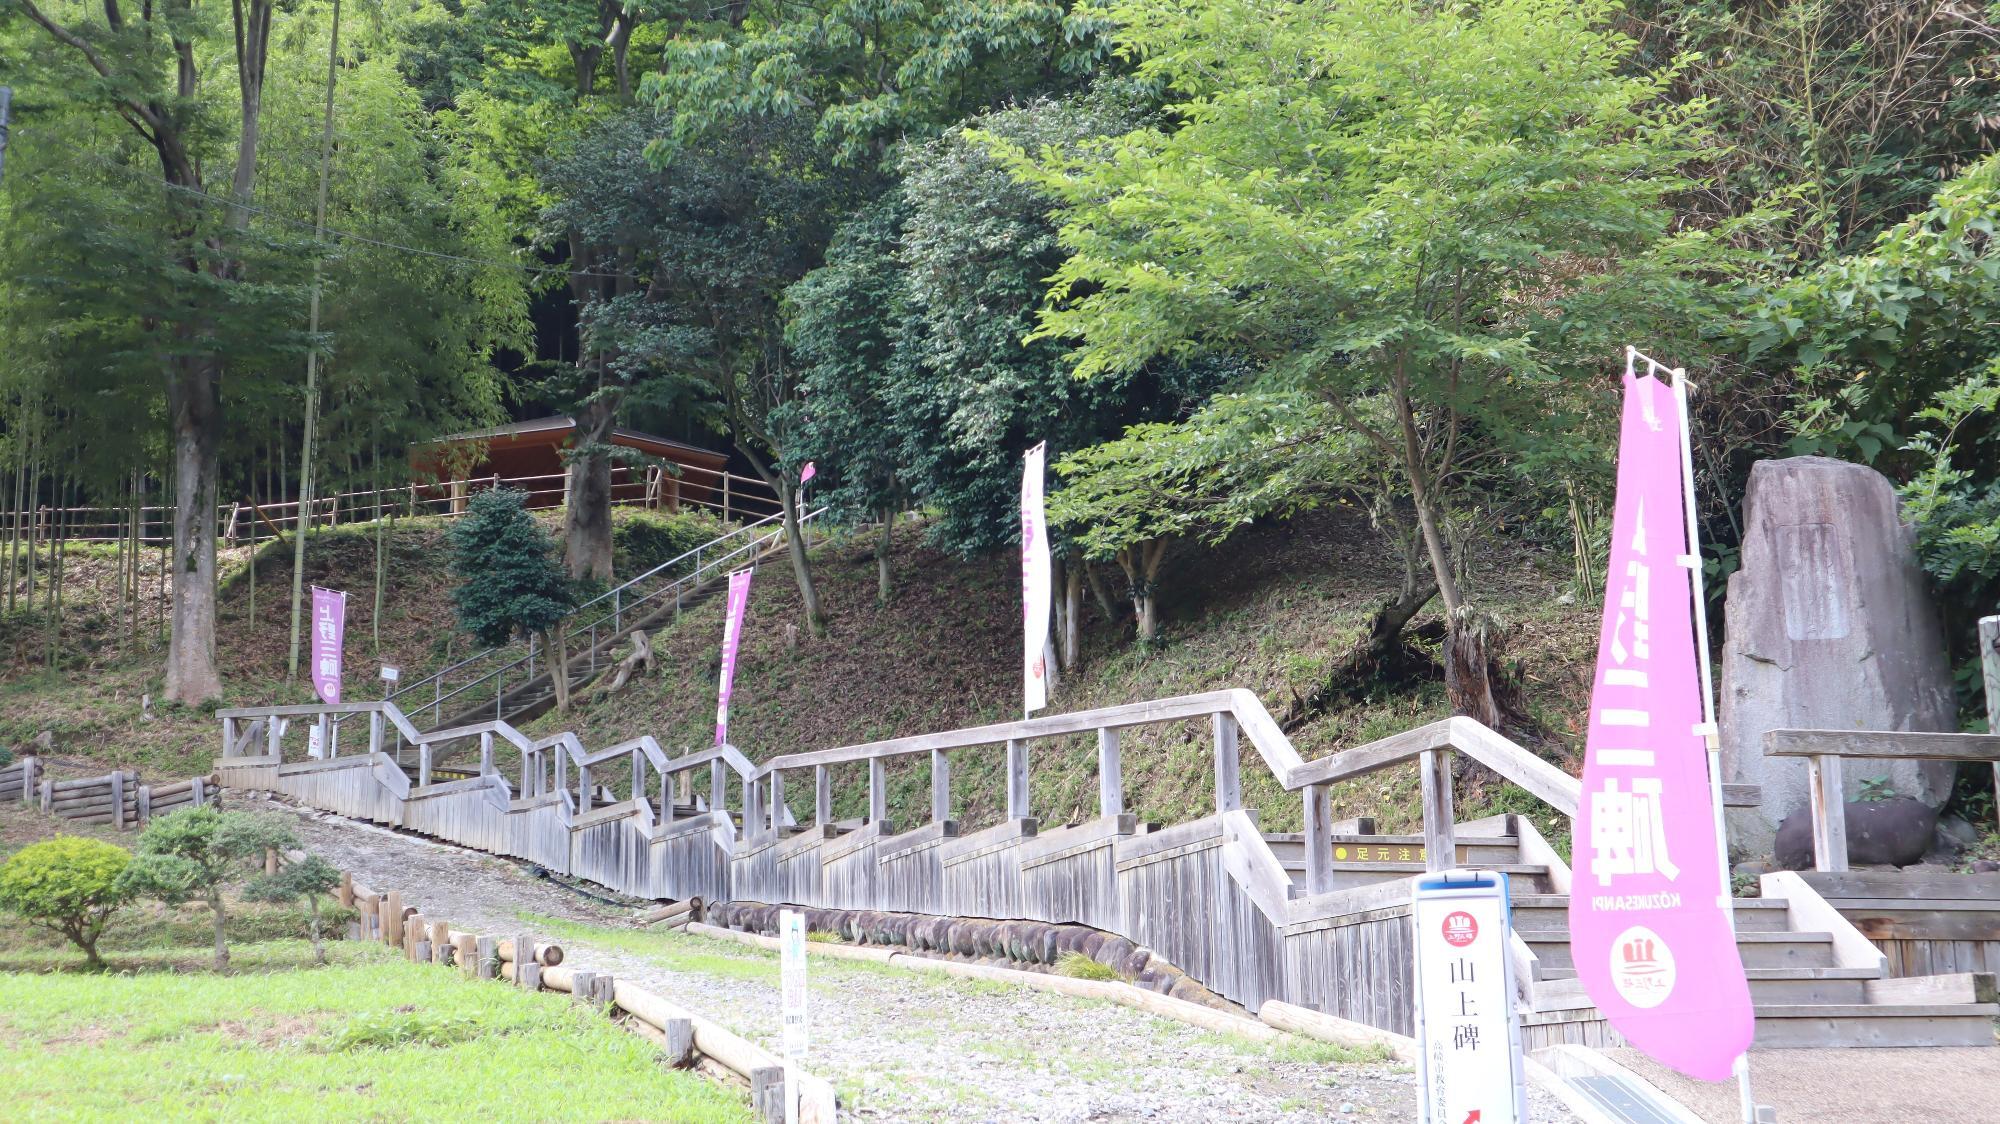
<point>1803,1026</point>
<point>1759,950</point>
<point>1522,878</point>
<point>1472,850</point>
<point>1549,914</point>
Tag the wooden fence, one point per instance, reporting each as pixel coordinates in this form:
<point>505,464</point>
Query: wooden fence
<point>688,1039</point>
<point>117,798</point>
<point>1213,896</point>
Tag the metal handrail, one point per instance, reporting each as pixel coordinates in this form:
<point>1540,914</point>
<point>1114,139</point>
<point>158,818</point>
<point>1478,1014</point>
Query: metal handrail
<point>525,662</point>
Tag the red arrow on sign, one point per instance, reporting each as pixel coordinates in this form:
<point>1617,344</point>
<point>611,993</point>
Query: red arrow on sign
<point>1472,1117</point>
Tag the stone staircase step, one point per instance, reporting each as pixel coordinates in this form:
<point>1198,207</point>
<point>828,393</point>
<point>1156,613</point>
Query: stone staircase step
<point>1802,1026</point>
<point>1549,914</point>
<point>1759,950</point>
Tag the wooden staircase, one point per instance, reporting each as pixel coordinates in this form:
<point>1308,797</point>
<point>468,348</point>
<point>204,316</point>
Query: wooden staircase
<point>1804,980</point>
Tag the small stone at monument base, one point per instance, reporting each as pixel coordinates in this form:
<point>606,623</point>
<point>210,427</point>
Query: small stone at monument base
<point>1896,831</point>
<point>1985,866</point>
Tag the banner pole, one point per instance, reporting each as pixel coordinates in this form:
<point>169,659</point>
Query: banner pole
<point>1746,1103</point>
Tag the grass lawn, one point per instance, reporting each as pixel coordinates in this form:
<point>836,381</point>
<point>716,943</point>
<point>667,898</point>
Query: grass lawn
<point>371,1037</point>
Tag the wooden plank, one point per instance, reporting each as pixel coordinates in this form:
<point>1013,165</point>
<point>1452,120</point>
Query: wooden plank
<point>1907,923</point>
<point>1989,667</point>
<point>1228,764</point>
<point>1017,779</point>
<point>1544,781</point>
<point>1376,755</point>
<point>1110,774</point>
<point>1742,795</point>
<point>1906,744</point>
<point>1829,813</point>
<point>822,796</point>
<point>1958,987</point>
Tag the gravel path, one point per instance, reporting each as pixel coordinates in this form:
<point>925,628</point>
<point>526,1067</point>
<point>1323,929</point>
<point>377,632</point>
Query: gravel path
<point>902,1046</point>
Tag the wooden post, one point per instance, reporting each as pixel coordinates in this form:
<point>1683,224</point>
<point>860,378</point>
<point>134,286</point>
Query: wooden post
<point>1440,852</point>
<point>717,786</point>
<point>118,800</point>
<point>487,949</point>
<point>465,950</point>
<point>374,732</point>
<point>1228,765</point>
<point>1829,812</point>
<point>878,790</point>
<point>1319,839</point>
<point>753,808</point>
<point>346,891</point>
<point>582,786</point>
<point>423,764</point>
<point>527,970</point>
<point>1989,665</point>
<point>583,986</point>
<point>392,918</point>
<point>777,802</point>
<point>486,754</point>
<point>1110,774</point>
<point>416,938</point>
<point>228,729</point>
<point>270,860</point>
<point>822,796</point>
<point>940,786</point>
<point>273,729</point>
<point>441,942</point>
<point>725,497</point>
<point>1017,779</point>
<point>767,1093</point>
<point>677,1041</point>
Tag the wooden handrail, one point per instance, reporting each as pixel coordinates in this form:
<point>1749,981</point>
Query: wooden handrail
<point>1824,750</point>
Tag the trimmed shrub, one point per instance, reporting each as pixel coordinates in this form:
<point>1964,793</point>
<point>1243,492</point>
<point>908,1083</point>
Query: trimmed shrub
<point>70,885</point>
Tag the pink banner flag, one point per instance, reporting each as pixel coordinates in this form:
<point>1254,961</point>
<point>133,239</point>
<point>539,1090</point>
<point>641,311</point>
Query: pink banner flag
<point>1036,594</point>
<point>807,473</point>
<point>1650,928</point>
<point>329,629</point>
<point>732,640</point>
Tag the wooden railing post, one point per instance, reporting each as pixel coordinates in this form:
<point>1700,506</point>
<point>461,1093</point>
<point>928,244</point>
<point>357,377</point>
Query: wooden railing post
<point>486,753</point>
<point>777,802</point>
<point>1440,850</point>
<point>1110,774</point>
<point>940,786</point>
<point>1228,765</point>
<point>753,808</point>
<point>1989,666</point>
<point>822,796</point>
<point>1829,812</point>
<point>1017,779</point>
<point>423,764</point>
<point>528,756</point>
<point>718,786</point>
<point>666,799</point>
<point>1319,839</point>
<point>228,736</point>
<point>582,787</point>
<point>374,732</point>
<point>273,730</point>
<point>878,790</point>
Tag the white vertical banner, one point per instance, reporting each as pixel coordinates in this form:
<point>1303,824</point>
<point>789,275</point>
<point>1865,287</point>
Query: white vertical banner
<point>1036,595</point>
<point>792,993</point>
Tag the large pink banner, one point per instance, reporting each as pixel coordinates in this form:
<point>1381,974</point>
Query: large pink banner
<point>1649,926</point>
<point>329,629</point>
<point>732,640</point>
<point>1037,592</point>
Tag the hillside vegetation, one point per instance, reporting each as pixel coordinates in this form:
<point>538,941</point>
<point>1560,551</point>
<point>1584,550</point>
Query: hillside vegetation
<point>1271,612</point>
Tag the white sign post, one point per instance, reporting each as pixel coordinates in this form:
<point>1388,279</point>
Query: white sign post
<point>1469,1062</point>
<point>792,988</point>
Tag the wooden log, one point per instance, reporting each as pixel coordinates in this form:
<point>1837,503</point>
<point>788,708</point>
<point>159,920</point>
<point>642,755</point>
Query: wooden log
<point>677,1041</point>
<point>816,1101</point>
<point>440,940</point>
<point>118,799</point>
<point>670,911</point>
<point>1327,1028</point>
<point>392,919</point>
<point>487,951</point>
<point>145,804</point>
<point>582,986</point>
<point>528,977</point>
<point>465,950</point>
<point>345,895</point>
<point>544,953</point>
<point>416,932</point>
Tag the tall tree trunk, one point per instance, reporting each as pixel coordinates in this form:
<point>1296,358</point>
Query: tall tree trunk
<point>1070,614</point>
<point>587,518</point>
<point>795,542</point>
<point>882,546</point>
<point>194,409</point>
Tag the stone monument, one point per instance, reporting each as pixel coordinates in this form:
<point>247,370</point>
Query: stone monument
<point>1829,625</point>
